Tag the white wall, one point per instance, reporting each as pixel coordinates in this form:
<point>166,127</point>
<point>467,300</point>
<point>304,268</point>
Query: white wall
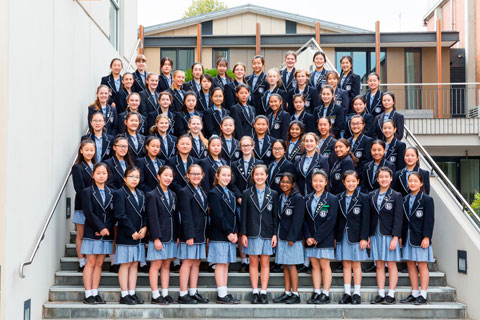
<point>53,57</point>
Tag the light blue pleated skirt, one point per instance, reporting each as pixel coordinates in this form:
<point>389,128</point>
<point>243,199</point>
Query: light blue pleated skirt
<point>258,246</point>
<point>126,254</point>
<point>417,253</point>
<point>196,251</point>
<point>90,246</point>
<point>380,247</point>
<point>289,255</point>
<point>78,217</point>
<point>222,252</point>
<point>349,251</point>
<point>320,253</point>
<point>169,251</point>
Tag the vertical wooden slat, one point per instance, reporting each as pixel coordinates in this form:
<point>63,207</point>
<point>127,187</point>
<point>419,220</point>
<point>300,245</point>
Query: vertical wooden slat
<point>377,46</point>
<point>317,32</point>
<point>199,43</point>
<point>141,37</point>
<point>439,68</point>
<point>257,40</point>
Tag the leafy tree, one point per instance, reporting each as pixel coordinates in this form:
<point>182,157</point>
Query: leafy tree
<point>199,7</point>
<point>476,203</point>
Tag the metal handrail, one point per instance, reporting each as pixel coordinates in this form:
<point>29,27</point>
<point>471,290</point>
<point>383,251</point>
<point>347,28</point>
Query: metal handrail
<point>130,65</point>
<point>471,214</point>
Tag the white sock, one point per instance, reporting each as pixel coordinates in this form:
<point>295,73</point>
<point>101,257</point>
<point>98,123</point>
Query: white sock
<point>415,293</point>
<point>288,293</point>
<point>213,266</point>
<point>248,260</point>
<point>82,262</point>
<point>222,292</point>
<point>295,293</point>
<point>124,293</point>
<point>192,291</point>
<point>263,291</point>
<point>155,294</point>
<point>245,260</point>
<point>94,292</point>
<point>347,288</point>
<point>88,293</point>
<point>381,293</point>
<point>176,262</point>
<point>326,292</point>
<point>164,292</point>
<point>356,289</point>
<point>317,291</point>
<point>423,293</point>
<point>142,263</point>
<point>255,291</point>
<point>306,262</point>
<point>391,293</point>
<point>112,259</point>
<point>131,292</point>
<point>183,293</point>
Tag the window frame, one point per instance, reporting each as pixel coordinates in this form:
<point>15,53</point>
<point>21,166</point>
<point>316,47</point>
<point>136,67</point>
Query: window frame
<point>116,32</point>
<point>368,50</point>
<point>214,60</point>
<point>176,58</point>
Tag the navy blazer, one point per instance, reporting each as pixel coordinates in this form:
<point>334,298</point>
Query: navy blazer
<point>130,215</point>
<point>389,215</point>
<point>291,83</point>
<point>368,182</point>
<point>328,149</point>
<point>418,223</point>
<point>355,219</point>
<point>82,178</point>
<point>399,122</point>
<point>163,83</point>
<point>177,102</point>
<point>180,126</point>
<point>336,174</point>
<point>278,126</point>
<point>351,84</point>
<point>202,104</point>
<point>148,103</point>
<point>142,127</point>
<point>212,119</point>
<point>234,154</point>
<point>243,121</point>
<point>273,180</point>
<point>362,151</point>
<point>98,214</point>
<point>396,153</point>
<point>162,215</point>
<point>307,119</point>
<point>107,144</point>
<point>311,96</point>
<point>116,173</point>
<point>322,80</point>
<point>138,84</point>
<point>336,116</point>
<point>191,86</point>
<point>210,168</point>
<point>296,153</point>
<point>341,100</point>
<point>320,224</point>
<point>376,107</point>
<point>218,83</point>
<point>110,118</point>
<point>290,225</point>
<point>223,214</point>
<point>148,174</point>
<point>199,153</point>
<point>256,220</point>
<point>179,178</point>
<point>152,117</point>
<point>265,154</point>
<point>368,130</point>
<point>110,82</point>
<point>256,93</point>
<point>242,179</point>
<point>121,100</point>
<point>231,94</point>
<point>138,152</point>
<point>168,151</point>
<point>265,108</point>
<point>193,214</point>
<point>400,181</point>
<point>304,180</point>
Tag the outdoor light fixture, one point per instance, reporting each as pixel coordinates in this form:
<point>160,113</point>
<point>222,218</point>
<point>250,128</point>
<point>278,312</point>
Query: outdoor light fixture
<point>27,309</point>
<point>462,261</point>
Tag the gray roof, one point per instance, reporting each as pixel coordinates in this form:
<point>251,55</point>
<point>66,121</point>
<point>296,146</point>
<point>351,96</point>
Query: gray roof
<point>337,27</point>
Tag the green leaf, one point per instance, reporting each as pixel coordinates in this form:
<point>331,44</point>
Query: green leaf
<point>199,7</point>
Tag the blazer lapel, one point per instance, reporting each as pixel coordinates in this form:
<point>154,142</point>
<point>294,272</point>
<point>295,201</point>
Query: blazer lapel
<point>254,197</point>
<point>203,203</point>
<point>167,206</point>
<point>342,202</point>
<point>354,201</point>
<point>150,167</point>
<point>386,199</point>
<point>136,205</point>
<point>230,204</point>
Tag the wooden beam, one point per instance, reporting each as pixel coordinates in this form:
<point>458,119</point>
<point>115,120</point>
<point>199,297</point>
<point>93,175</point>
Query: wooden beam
<point>199,43</point>
<point>317,32</point>
<point>377,46</point>
<point>439,69</point>
<point>257,40</point>
<point>141,37</point>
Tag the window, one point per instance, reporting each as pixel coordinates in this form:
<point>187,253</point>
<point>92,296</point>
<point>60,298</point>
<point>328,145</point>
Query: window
<point>207,28</point>
<point>182,58</point>
<point>463,173</point>
<point>364,62</point>
<point>413,74</point>
<point>219,53</point>
<point>290,27</point>
<point>114,16</point>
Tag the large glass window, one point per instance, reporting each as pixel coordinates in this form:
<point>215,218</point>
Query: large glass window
<point>114,16</point>
<point>182,58</point>
<point>463,173</point>
<point>413,74</point>
<point>220,53</point>
<point>364,62</point>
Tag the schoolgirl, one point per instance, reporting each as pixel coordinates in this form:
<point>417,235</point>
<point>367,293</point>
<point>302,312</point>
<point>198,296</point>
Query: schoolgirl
<point>263,142</point>
<point>187,111</point>
<point>162,213</point>
<point>222,77</point>
<point>118,163</point>
<point>395,149</point>
<point>341,96</point>
<point>331,111</point>
<point>318,77</point>
<point>224,227</point>
<point>412,164</point>
<point>200,143</point>
<point>351,235</point>
<point>390,113</point>
<point>303,88</point>
<point>287,74</point>
<point>129,209</point>
<point>181,162</point>
<point>103,142</point>
<point>165,100</point>
<point>98,234</point>
<point>133,102</point>
<point>193,222</point>
<point>359,106</point>
<point>319,234</point>
<point>194,84</point>
<point>326,142</point>
<point>126,89</point>
<point>230,146</point>
<point>100,105</point>
<point>259,222</point>
<point>114,80</point>
<point>82,178</point>
<point>242,168</point>
<point>161,129</point>
<point>386,214</point>
<point>149,165</point>
<point>140,75</point>
<point>349,81</point>
<point>370,169</point>
<point>310,162</point>
<point>278,120</point>
<point>257,82</point>
<point>294,140</point>
<point>239,70</point>
<point>418,221</point>
<point>212,162</point>
<point>290,236</point>
<point>243,113</point>
<point>345,162</point>
<point>274,83</point>
<point>213,116</point>
<point>136,141</point>
<point>360,144</point>
<point>176,90</point>
<point>165,79</point>
<point>149,96</point>
<point>373,97</point>
<point>204,96</point>
<point>279,165</point>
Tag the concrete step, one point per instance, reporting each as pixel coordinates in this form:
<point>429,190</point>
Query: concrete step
<point>241,280</point>
<point>112,294</point>
<point>447,310</point>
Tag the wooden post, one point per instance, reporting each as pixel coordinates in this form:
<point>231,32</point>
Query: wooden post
<point>439,69</point>
<point>199,43</point>
<point>317,32</point>
<point>377,46</point>
<point>141,37</point>
<point>257,40</point>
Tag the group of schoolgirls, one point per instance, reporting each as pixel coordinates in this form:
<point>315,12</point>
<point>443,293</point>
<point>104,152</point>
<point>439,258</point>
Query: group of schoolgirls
<point>230,152</point>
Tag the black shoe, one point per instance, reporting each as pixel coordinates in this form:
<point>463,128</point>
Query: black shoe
<point>211,268</point>
<point>114,268</point>
<point>175,268</point>
<point>420,300</point>
<point>89,300</point>
<point>314,298</point>
<point>276,268</point>
<point>378,299</point>
<point>228,299</point>
<point>409,299</point>
<point>255,298</point>
<point>232,299</point>
<point>128,299</point>
<point>372,268</point>
<point>346,299</point>
<point>169,299</point>
<point>186,299</point>
<point>99,300</point>
<point>159,300</point>
<point>284,297</point>
<point>137,299</point>
<point>80,269</point>
<point>302,268</point>
<point>389,300</point>
<point>338,269</point>
<point>144,269</point>
<point>199,298</point>
<point>244,268</point>
<point>263,299</point>
<point>323,299</point>
<point>404,270</point>
<point>356,299</point>
<point>293,299</point>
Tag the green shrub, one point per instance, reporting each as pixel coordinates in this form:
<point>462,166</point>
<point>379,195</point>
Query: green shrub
<point>212,72</point>
<point>476,203</point>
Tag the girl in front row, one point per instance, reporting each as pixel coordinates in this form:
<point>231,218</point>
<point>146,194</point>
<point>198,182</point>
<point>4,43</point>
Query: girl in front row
<point>98,235</point>
<point>129,208</point>
<point>318,230</point>
<point>259,220</point>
